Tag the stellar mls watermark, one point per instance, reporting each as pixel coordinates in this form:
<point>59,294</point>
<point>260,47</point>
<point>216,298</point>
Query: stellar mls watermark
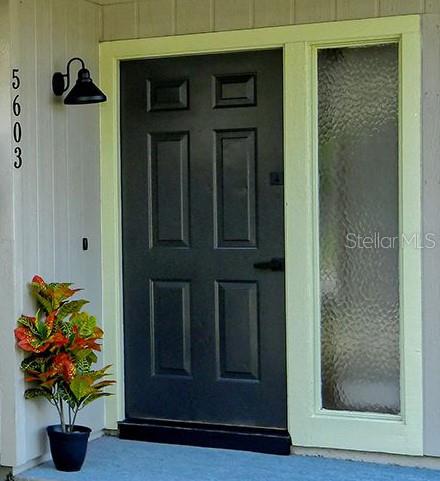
<point>378,241</point>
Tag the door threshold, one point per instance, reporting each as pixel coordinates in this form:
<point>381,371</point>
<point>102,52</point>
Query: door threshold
<point>243,438</point>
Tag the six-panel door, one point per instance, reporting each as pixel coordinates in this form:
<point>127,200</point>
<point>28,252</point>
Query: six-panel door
<point>202,163</point>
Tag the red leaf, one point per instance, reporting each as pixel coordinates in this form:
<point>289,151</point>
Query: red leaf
<point>38,280</point>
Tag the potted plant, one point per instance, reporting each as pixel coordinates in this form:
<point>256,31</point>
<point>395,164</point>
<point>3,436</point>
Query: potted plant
<point>61,342</point>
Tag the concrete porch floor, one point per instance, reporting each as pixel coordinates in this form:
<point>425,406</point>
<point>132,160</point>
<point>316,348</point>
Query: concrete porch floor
<point>112,459</point>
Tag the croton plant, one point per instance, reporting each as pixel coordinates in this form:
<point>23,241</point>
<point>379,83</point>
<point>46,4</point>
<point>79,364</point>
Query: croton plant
<point>61,342</point>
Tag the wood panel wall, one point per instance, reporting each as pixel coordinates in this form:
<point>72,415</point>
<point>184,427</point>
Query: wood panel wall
<point>55,194</point>
<point>431,225</point>
<point>150,18</point>
<point>8,444</point>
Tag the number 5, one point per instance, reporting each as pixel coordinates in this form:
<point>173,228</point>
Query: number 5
<point>15,79</point>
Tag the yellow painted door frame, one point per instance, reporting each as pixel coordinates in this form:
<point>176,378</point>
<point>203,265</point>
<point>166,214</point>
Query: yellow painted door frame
<point>309,424</point>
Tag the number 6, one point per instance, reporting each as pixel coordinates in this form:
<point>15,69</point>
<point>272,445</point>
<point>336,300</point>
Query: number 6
<point>16,107</point>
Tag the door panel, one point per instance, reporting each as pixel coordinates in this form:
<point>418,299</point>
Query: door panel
<point>201,140</point>
<point>238,341</point>
<point>168,164</point>
<point>170,328</point>
<point>235,188</point>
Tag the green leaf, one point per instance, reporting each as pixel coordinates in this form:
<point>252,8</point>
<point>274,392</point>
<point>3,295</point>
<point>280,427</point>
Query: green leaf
<point>27,322</point>
<point>67,330</point>
<point>39,288</point>
<point>85,322</point>
<point>41,325</point>
<point>94,397</point>
<point>45,303</point>
<point>81,386</point>
<point>83,366</point>
<point>70,308</point>
<point>102,372</point>
<point>33,363</point>
<point>36,392</point>
<point>82,354</point>
<point>92,358</point>
<point>56,285</point>
<point>103,384</point>
<point>66,395</point>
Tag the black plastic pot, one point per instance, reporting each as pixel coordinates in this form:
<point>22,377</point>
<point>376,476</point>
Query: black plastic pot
<point>68,449</point>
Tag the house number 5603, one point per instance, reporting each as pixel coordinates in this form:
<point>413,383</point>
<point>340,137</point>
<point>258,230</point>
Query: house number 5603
<point>17,132</point>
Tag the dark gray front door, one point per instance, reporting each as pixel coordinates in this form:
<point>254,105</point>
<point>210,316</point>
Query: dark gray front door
<point>202,161</point>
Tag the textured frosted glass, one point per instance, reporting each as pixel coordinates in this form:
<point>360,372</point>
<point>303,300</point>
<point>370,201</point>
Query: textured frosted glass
<point>358,199</point>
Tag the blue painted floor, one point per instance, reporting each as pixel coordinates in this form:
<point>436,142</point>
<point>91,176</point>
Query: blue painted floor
<point>112,459</point>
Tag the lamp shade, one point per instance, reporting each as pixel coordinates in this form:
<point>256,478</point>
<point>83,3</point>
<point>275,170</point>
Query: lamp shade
<point>84,91</point>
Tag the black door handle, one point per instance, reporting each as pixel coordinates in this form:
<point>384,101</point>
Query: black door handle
<point>275,264</point>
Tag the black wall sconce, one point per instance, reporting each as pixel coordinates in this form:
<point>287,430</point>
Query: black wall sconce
<point>83,92</point>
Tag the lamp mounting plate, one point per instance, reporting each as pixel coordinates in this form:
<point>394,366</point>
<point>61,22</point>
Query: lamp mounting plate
<point>58,83</point>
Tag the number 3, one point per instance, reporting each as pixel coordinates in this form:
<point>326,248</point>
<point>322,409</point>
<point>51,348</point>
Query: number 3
<point>19,161</point>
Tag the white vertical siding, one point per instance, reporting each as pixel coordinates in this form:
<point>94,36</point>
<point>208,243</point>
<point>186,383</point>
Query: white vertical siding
<point>56,192</point>
<point>8,381</point>
<point>355,9</point>
<point>156,18</point>
<point>151,18</point>
<point>271,12</point>
<point>44,140</point>
<point>401,7</point>
<point>233,15</point>
<point>191,16</point>
<point>316,11</point>
<point>120,21</point>
<point>431,225</point>
<point>60,135</point>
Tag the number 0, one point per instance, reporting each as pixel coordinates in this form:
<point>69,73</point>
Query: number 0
<point>17,132</point>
